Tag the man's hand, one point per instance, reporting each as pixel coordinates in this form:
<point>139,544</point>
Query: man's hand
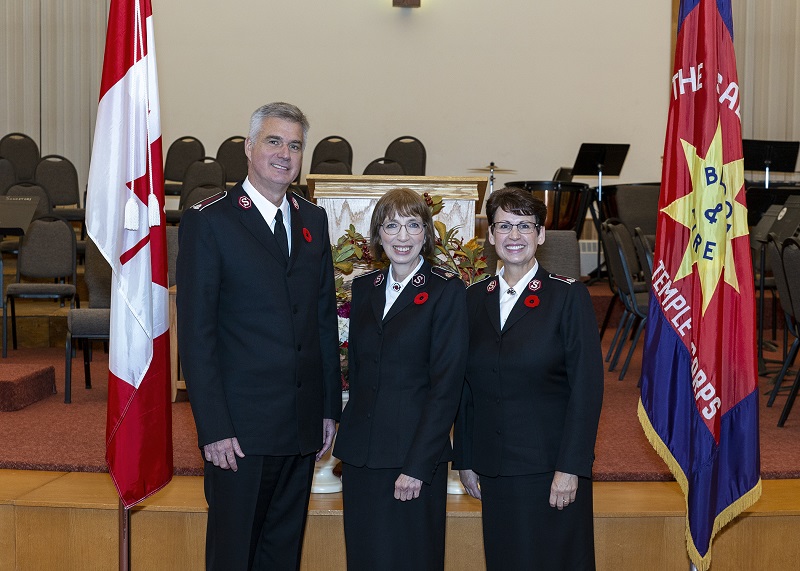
<point>470,481</point>
<point>328,432</point>
<point>406,488</point>
<point>223,453</point>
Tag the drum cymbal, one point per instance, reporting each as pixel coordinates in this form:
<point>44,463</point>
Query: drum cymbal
<point>493,168</point>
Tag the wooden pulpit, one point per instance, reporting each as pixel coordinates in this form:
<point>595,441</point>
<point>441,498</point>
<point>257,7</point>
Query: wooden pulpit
<point>350,199</point>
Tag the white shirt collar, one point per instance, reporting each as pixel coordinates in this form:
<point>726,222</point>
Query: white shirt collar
<point>269,210</point>
<point>393,292</point>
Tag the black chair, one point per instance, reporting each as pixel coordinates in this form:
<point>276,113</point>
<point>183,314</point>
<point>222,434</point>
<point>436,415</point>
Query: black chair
<point>384,166</point>
<point>331,166</point>
<point>91,323</point>
<point>23,152</point>
<point>334,148</point>
<point>644,252</point>
<point>59,178</point>
<point>621,260</point>
<point>232,157</point>
<point>7,175</point>
<point>46,254</point>
<point>409,152</point>
<point>207,172</point>
<point>790,258</point>
<point>181,153</point>
<point>636,205</point>
<point>773,249</point>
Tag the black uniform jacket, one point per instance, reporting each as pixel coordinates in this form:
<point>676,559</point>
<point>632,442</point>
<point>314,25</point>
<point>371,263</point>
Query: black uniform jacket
<point>258,336</point>
<point>406,372</point>
<point>534,389</point>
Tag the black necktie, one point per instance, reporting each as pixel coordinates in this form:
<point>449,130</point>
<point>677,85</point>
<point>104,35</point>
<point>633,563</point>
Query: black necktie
<point>280,234</point>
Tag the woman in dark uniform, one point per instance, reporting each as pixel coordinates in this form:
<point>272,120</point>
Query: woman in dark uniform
<point>526,429</point>
<point>407,354</point>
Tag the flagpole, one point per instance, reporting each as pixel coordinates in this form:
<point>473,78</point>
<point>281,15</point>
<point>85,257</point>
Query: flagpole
<point>124,538</point>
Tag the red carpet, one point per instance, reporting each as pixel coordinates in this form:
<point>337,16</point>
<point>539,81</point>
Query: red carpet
<point>49,435</point>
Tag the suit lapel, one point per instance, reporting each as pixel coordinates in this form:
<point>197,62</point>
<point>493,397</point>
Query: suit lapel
<point>417,284</point>
<point>297,238</point>
<point>251,219</point>
<point>378,294</point>
<point>528,300</point>
<point>492,303</point>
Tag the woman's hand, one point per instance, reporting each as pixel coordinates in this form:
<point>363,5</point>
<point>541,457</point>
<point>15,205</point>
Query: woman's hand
<point>406,488</point>
<point>563,490</point>
<point>470,481</point>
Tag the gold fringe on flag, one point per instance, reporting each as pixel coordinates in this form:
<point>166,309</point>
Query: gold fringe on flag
<point>725,517</point>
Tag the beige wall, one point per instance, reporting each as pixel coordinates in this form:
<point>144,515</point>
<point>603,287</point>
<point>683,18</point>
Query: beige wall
<point>522,83</point>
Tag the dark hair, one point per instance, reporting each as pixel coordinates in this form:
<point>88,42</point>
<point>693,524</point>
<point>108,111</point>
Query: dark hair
<point>279,110</point>
<point>403,202</point>
<point>515,201</point>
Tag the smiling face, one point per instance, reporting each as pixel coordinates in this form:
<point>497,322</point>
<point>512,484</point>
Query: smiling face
<point>402,248</point>
<point>518,251</point>
<point>275,157</point>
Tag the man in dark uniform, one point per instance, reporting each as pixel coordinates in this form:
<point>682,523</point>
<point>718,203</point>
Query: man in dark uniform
<point>258,340</point>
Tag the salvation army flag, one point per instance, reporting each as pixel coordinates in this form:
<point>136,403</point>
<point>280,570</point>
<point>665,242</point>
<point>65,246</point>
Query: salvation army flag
<point>125,218</point>
<point>699,400</point>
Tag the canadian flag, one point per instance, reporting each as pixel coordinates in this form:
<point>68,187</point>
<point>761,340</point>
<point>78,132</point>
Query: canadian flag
<point>125,218</point>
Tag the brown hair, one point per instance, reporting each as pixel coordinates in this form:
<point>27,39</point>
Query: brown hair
<point>515,201</point>
<point>403,202</point>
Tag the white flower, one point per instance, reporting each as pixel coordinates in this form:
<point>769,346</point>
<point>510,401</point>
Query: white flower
<point>344,329</point>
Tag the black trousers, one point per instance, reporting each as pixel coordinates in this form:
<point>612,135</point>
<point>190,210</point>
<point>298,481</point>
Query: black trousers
<point>257,515</point>
<point>522,531</point>
<point>382,533</point>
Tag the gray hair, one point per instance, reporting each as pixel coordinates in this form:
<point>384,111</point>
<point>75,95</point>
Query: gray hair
<point>280,110</point>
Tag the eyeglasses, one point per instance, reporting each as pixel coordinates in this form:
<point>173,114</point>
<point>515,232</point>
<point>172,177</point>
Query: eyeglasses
<point>413,227</point>
<point>522,227</point>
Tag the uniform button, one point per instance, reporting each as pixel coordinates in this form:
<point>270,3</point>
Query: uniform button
<point>494,370</point>
<point>295,310</point>
<point>374,387</point>
<point>498,431</point>
<point>299,346</point>
<point>497,340</point>
<point>369,415</point>
<point>380,331</point>
<point>375,361</point>
<point>498,401</point>
<point>299,384</point>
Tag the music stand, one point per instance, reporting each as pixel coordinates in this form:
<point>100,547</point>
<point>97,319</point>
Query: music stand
<point>598,159</point>
<point>778,156</point>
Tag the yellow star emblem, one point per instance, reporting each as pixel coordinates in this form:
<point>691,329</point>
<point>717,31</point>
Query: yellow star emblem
<point>713,216</point>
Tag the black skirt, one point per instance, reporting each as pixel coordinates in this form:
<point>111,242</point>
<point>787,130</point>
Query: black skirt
<point>382,533</point>
<point>522,531</point>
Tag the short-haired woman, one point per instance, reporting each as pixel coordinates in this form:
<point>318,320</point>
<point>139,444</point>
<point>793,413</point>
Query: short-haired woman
<point>526,428</point>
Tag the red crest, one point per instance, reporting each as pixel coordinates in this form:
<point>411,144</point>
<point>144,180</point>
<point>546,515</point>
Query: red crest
<point>245,202</point>
<point>492,285</point>
<point>418,280</point>
<point>534,285</point>
<point>378,280</point>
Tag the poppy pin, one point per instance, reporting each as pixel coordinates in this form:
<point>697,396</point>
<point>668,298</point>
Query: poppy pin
<point>306,234</point>
<point>532,301</point>
<point>421,298</point>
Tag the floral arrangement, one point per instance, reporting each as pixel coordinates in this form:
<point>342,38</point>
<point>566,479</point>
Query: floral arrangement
<point>352,251</point>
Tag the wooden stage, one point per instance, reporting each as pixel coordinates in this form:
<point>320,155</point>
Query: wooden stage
<point>68,521</point>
